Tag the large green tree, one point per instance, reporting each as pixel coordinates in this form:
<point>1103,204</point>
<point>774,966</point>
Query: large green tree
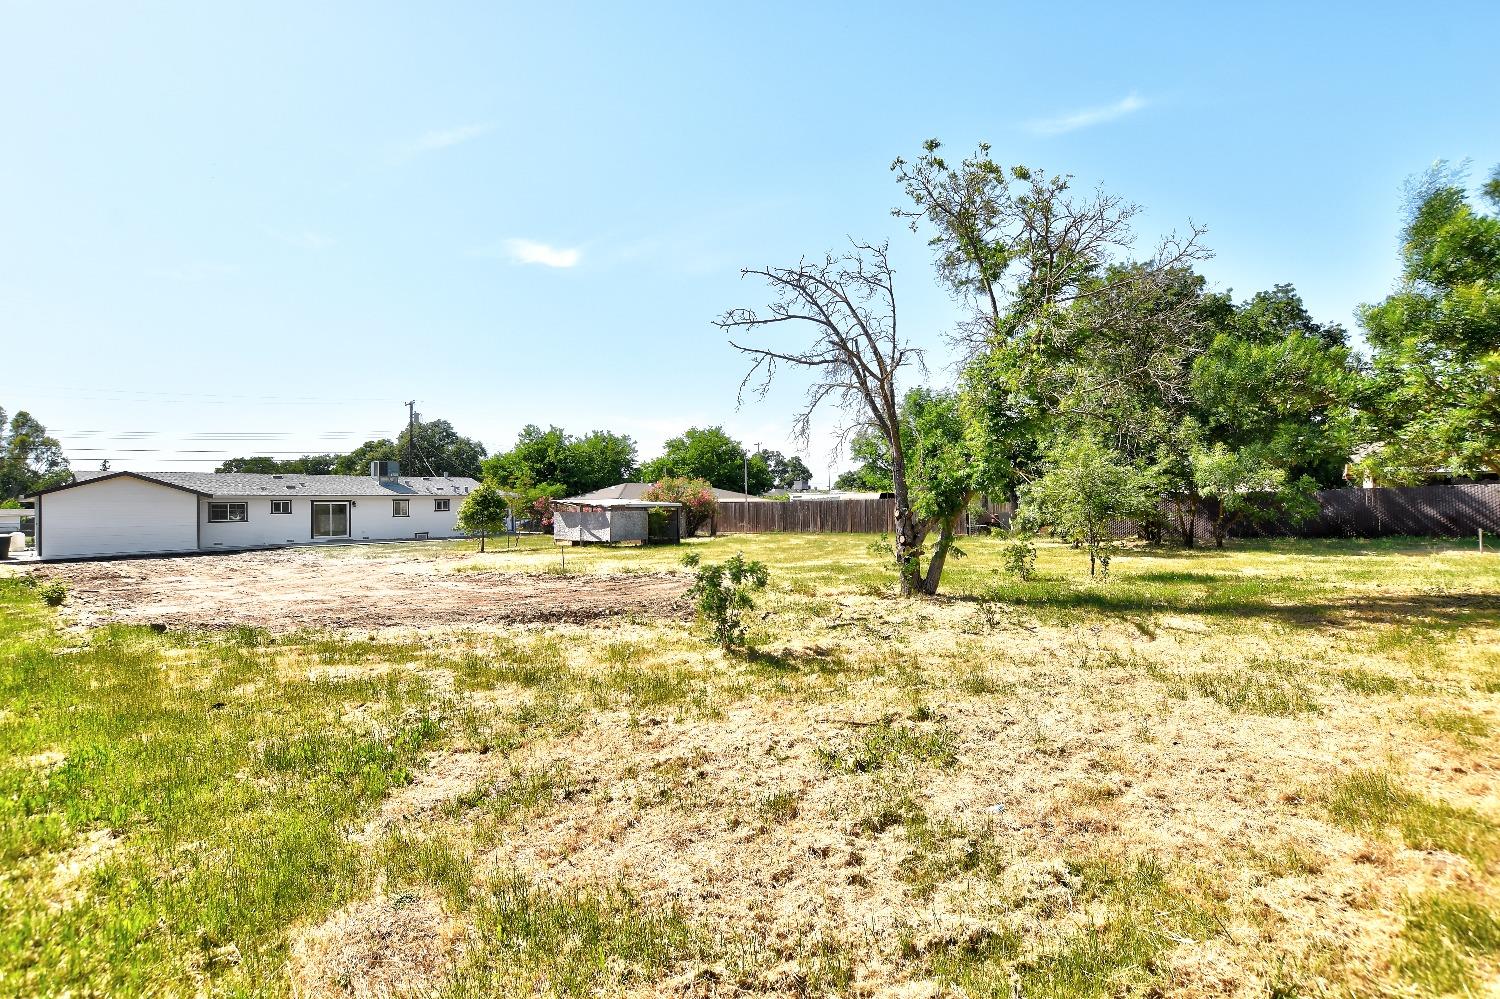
<point>1063,323</point>
<point>575,464</point>
<point>308,464</point>
<point>30,458</point>
<point>431,447</point>
<point>712,455</point>
<point>1073,336</point>
<point>873,471</point>
<point>357,462</point>
<point>785,471</point>
<point>1435,403</point>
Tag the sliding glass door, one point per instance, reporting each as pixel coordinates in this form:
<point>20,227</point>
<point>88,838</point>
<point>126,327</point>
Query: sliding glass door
<point>330,520</point>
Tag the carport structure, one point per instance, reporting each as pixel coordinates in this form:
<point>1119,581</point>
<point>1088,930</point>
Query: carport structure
<point>616,521</point>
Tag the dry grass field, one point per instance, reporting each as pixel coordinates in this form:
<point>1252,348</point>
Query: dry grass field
<point>1263,771</point>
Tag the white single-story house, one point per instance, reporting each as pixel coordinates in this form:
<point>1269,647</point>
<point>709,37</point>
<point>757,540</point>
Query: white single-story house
<point>581,521</point>
<point>135,513</point>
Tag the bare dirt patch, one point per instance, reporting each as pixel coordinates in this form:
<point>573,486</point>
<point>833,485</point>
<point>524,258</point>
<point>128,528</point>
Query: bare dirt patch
<point>295,589</point>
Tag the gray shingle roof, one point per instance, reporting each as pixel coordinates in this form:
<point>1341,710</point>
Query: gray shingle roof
<point>637,490</point>
<point>253,484</point>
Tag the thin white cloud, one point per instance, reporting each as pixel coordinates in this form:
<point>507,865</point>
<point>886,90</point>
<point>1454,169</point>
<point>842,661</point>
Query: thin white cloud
<point>1087,117</point>
<point>307,239</point>
<point>445,137</point>
<point>192,272</point>
<point>528,251</point>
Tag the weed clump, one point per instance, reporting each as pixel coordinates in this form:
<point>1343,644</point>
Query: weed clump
<point>54,593</point>
<point>884,745</point>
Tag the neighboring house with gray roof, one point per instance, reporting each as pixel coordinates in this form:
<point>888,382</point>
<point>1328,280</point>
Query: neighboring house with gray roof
<point>637,491</point>
<point>139,513</point>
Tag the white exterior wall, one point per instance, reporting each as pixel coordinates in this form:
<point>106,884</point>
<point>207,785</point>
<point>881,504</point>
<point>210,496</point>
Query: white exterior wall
<point>629,525</point>
<point>119,516</point>
<point>580,525</point>
<point>370,519</point>
<point>603,526</point>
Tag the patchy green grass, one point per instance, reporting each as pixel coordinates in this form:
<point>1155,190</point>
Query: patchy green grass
<point>1467,729</point>
<point>1011,763</point>
<point>886,744</point>
<point>570,943</point>
<point>779,806</point>
<point>1371,801</point>
<point>1133,911</point>
<point>1447,938</point>
<point>1360,680</point>
<point>1265,687</point>
<point>187,808</point>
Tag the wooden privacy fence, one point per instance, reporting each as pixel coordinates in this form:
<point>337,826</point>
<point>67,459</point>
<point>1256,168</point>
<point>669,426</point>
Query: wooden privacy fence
<point>1434,511</point>
<point>832,516</point>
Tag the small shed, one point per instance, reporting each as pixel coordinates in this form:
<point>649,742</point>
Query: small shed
<point>613,521</point>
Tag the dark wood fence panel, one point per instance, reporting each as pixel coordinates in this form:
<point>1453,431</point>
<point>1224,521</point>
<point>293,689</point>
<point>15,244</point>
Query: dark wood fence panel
<point>1434,511</point>
<point>844,516</point>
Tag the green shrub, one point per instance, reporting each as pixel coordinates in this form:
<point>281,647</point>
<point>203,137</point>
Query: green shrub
<point>722,593</point>
<point>54,593</point>
<point>1019,555</point>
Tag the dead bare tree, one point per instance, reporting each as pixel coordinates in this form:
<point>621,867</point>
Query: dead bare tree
<point>848,301</point>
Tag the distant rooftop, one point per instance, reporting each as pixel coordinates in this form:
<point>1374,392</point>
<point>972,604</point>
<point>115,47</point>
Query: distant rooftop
<point>637,491</point>
<point>289,484</point>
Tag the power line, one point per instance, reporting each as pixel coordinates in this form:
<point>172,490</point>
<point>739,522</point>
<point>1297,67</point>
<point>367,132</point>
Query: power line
<point>73,391</point>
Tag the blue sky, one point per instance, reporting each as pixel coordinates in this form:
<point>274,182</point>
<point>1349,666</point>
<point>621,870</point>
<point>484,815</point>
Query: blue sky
<point>251,228</point>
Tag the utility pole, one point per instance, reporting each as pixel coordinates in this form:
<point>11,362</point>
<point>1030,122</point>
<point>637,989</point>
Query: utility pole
<point>747,485</point>
<point>411,431</point>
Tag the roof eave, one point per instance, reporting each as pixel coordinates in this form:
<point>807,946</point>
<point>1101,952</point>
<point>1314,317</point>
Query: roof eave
<point>114,475</point>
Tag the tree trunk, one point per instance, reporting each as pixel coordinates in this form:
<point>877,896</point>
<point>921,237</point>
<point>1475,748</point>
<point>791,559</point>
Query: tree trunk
<point>940,555</point>
<point>481,542</point>
<point>908,551</point>
<point>1188,528</point>
<point>909,536</point>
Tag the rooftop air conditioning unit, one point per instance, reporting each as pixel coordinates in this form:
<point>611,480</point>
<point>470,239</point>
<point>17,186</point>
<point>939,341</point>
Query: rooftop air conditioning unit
<point>385,469</point>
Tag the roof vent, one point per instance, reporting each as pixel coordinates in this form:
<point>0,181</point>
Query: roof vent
<point>385,469</point>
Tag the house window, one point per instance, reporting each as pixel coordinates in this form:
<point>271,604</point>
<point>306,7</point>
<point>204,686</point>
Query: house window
<point>400,508</point>
<point>281,506</point>
<point>228,513</point>
<point>439,506</point>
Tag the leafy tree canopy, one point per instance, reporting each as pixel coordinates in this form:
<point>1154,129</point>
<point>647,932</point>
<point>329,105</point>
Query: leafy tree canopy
<point>30,459</point>
<point>712,455</point>
<point>1435,402</point>
<point>576,464</point>
<point>357,462</point>
<point>483,512</point>
<point>308,464</point>
<point>873,473</point>
<point>695,495</point>
<point>786,472</point>
<point>434,449</point>
<point>1249,485</point>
